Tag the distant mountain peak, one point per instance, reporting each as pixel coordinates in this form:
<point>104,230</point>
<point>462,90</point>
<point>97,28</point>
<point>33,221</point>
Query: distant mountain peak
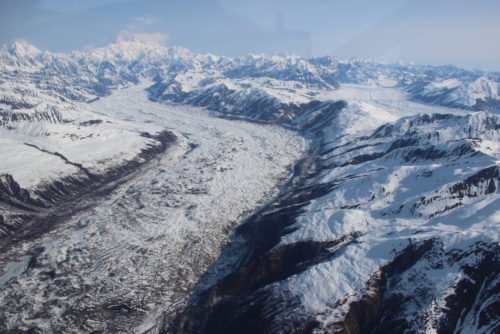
<point>20,53</point>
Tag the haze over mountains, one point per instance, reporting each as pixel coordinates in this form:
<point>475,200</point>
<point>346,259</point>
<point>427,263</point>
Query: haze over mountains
<point>202,26</point>
<point>150,189</point>
<point>428,32</point>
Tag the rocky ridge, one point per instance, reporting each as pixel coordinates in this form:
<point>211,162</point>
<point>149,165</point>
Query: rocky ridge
<point>387,223</point>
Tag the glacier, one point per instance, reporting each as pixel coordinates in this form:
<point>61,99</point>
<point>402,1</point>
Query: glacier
<point>149,189</point>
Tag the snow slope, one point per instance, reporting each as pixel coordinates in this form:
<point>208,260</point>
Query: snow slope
<point>179,206</point>
<point>387,200</point>
<point>143,248</point>
<point>395,228</point>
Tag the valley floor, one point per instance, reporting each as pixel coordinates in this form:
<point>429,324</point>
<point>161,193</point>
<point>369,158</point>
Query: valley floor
<point>395,203</point>
<point>141,248</point>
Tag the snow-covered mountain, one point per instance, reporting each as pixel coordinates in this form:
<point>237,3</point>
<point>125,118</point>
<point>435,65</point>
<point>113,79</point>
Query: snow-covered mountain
<point>55,149</point>
<point>394,230</point>
<point>149,189</point>
<point>478,94</point>
<point>179,71</point>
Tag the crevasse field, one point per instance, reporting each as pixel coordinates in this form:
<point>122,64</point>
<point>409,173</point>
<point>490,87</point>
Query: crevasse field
<point>148,242</point>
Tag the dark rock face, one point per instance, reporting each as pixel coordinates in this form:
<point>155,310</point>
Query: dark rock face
<point>364,313</point>
<point>51,116</point>
<point>253,104</point>
<point>417,89</point>
<point>96,77</point>
<point>250,294</point>
<point>473,297</point>
<point>246,300</point>
<point>486,104</point>
<point>67,189</point>
<point>485,180</point>
<point>304,72</point>
<point>11,191</point>
<point>422,91</point>
<point>250,303</point>
<point>398,297</point>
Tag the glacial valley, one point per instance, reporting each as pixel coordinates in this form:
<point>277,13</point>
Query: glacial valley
<point>146,189</point>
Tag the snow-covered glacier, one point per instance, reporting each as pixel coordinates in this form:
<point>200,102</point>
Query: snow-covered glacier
<point>147,189</point>
<point>156,233</point>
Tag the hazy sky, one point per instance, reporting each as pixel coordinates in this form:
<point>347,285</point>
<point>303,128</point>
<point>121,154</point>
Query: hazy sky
<point>464,33</point>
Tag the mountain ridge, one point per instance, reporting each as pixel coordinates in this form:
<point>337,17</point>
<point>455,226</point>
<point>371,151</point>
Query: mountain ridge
<point>276,194</point>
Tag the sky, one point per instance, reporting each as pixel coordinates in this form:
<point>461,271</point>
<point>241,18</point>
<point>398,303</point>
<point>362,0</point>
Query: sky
<point>463,33</point>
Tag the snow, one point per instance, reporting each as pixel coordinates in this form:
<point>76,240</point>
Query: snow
<point>376,198</point>
<point>450,83</point>
<point>44,167</point>
<point>159,232</point>
<point>482,88</point>
<point>91,146</point>
<point>14,269</point>
<point>147,243</point>
<point>393,101</point>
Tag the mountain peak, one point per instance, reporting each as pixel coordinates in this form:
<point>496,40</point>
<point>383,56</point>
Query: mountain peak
<point>23,47</point>
<point>129,46</point>
<point>20,53</point>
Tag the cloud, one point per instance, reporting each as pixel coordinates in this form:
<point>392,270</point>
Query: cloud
<point>143,37</point>
<point>21,40</point>
<point>147,20</point>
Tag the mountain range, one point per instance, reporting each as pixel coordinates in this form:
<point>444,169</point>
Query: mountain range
<point>149,189</point>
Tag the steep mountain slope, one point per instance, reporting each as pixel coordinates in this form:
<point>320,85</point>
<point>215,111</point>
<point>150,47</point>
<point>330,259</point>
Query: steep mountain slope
<point>479,94</point>
<point>86,75</point>
<point>150,240</point>
<point>54,150</point>
<point>260,194</point>
<point>391,230</point>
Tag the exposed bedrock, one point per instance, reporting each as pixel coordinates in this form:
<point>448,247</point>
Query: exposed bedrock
<point>250,301</point>
<point>389,308</point>
<point>245,290</point>
<point>21,207</point>
<point>51,116</point>
<point>244,301</point>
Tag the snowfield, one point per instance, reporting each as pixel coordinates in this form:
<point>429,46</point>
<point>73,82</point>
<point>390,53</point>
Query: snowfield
<point>146,189</point>
<point>384,199</point>
<point>146,245</point>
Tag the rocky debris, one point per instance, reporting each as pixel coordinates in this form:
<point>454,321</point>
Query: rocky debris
<point>68,189</point>
<point>399,295</point>
<point>386,225</point>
